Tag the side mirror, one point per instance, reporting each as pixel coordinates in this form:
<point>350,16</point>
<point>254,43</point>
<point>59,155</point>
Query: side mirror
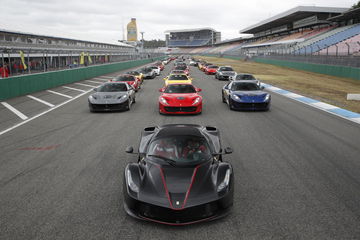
<point>95,89</point>
<point>228,150</point>
<point>198,89</point>
<point>165,79</point>
<point>129,149</point>
<point>161,89</point>
<point>262,87</point>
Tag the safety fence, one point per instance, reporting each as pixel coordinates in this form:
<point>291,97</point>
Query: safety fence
<point>25,84</point>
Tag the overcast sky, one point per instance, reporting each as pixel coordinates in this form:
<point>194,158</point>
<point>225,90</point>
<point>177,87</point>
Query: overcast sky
<point>103,20</point>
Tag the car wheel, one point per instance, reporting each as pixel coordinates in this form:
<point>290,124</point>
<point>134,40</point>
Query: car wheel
<point>128,107</point>
<point>230,107</point>
<point>223,98</point>
<point>134,101</point>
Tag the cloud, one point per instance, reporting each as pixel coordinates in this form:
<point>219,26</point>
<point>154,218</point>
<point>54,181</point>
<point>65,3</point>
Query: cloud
<point>104,20</point>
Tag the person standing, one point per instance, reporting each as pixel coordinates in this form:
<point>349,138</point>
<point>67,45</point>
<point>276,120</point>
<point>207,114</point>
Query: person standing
<point>4,71</point>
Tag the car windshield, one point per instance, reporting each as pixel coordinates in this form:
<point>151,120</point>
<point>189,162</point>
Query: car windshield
<point>133,73</point>
<point>180,68</point>
<point>212,66</point>
<point>146,70</point>
<point>246,86</point>
<point>178,72</point>
<point>180,88</point>
<point>245,77</point>
<point>180,150</point>
<point>178,77</point>
<point>226,69</point>
<point>126,78</point>
<point>112,87</point>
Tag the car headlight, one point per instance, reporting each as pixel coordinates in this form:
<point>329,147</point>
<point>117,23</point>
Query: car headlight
<point>197,100</point>
<point>236,97</point>
<point>131,183</point>
<point>163,101</point>
<point>220,73</point>
<point>267,98</point>
<point>92,97</point>
<point>225,183</point>
<point>123,97</point>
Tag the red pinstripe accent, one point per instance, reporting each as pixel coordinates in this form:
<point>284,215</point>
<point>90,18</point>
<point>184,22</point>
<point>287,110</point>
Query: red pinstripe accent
<point>191,183</point>
<point>187,192</point>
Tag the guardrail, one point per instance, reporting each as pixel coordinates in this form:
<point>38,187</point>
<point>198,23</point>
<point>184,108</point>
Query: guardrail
<point>21,85</point>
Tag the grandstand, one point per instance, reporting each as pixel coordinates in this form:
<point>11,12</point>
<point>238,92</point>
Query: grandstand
<point>303,30</point>
<point>192,37</point>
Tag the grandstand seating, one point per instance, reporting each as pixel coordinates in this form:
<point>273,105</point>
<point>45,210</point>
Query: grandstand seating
<point>327,39</point>
<point>183,43</point>
<point>348,46</point>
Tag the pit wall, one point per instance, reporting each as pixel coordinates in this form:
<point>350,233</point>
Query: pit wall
<point>26,84</point>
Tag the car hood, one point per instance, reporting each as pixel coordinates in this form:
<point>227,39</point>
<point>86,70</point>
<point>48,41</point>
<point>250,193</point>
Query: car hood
<point>180,99</point>
<point>251,95</point>
<point>227,73</point>
<point>178,187</point>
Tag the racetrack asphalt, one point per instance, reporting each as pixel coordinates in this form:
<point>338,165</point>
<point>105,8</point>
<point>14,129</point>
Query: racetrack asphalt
<point>297,171</point>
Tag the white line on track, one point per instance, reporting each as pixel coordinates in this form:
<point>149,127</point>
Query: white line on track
<point>40,114</point>
<point>14,110</point>
<point>75,89</point>
<point>102,79</point>
<point>60,94</point>
<point>94,81</point>
<point>108,77</point>
<point>41,101</point>
<point>86,85</point>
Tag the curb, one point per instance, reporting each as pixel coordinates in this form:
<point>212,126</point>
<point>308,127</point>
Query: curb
<point>343,113</point>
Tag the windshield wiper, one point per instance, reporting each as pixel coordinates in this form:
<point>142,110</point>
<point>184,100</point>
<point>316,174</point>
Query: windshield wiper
<point>167,160</point>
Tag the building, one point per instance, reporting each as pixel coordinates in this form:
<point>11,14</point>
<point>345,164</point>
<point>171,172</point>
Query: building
<point>192,37</point>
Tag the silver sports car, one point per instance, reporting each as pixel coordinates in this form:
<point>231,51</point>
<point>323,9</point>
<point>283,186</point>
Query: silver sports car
<point>112,96</point>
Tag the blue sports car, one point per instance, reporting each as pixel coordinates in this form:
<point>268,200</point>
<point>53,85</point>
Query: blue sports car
<point>245,95</point>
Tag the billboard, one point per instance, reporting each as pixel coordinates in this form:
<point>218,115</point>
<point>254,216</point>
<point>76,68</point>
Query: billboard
<point>132,30</point>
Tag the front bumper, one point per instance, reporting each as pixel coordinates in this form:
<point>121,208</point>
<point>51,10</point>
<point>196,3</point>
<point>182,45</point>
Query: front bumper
<point>192,109</point>
<point>261,106</point>
<point>108,107</point>
<point>224,77</point>
<point>200,213</point>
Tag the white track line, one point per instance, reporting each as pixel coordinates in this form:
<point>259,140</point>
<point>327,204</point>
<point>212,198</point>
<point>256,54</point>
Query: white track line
<point>86,85</point>
<point>60,94</point>
<point>76,89</point>
<point>108,77</point>
<point>40,100</point>
<point>40,114</point>
<point>94,81</point>
<point>14,110</point>
<point>102,79</point>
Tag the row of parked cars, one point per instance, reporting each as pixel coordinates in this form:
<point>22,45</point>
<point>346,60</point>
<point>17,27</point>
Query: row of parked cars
<point>120,92</point>
<point>242,92</point>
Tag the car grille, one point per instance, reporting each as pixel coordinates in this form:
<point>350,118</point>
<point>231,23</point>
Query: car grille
<point>250,105</point>
<point>109,106</point>
<point>178,216</point>
<point>180,109</point>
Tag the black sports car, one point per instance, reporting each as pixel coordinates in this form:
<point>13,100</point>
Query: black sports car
<point>180,177</point>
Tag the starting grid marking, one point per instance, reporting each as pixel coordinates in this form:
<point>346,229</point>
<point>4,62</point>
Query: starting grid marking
<point>343,113</point>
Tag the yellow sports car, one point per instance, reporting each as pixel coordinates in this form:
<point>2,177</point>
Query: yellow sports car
<point>177,78</point>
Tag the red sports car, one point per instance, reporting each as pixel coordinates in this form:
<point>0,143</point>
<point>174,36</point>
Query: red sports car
<point>211,69</point>
<point>183,68</point>
<point>180,99</point>
<point>129,79</point>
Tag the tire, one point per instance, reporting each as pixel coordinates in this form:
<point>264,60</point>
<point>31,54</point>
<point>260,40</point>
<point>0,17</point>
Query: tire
<point>230,107</point>
<point>223,98</point>
<point>216,76</point>
<point>134,100</point>
<point>128,106</point>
